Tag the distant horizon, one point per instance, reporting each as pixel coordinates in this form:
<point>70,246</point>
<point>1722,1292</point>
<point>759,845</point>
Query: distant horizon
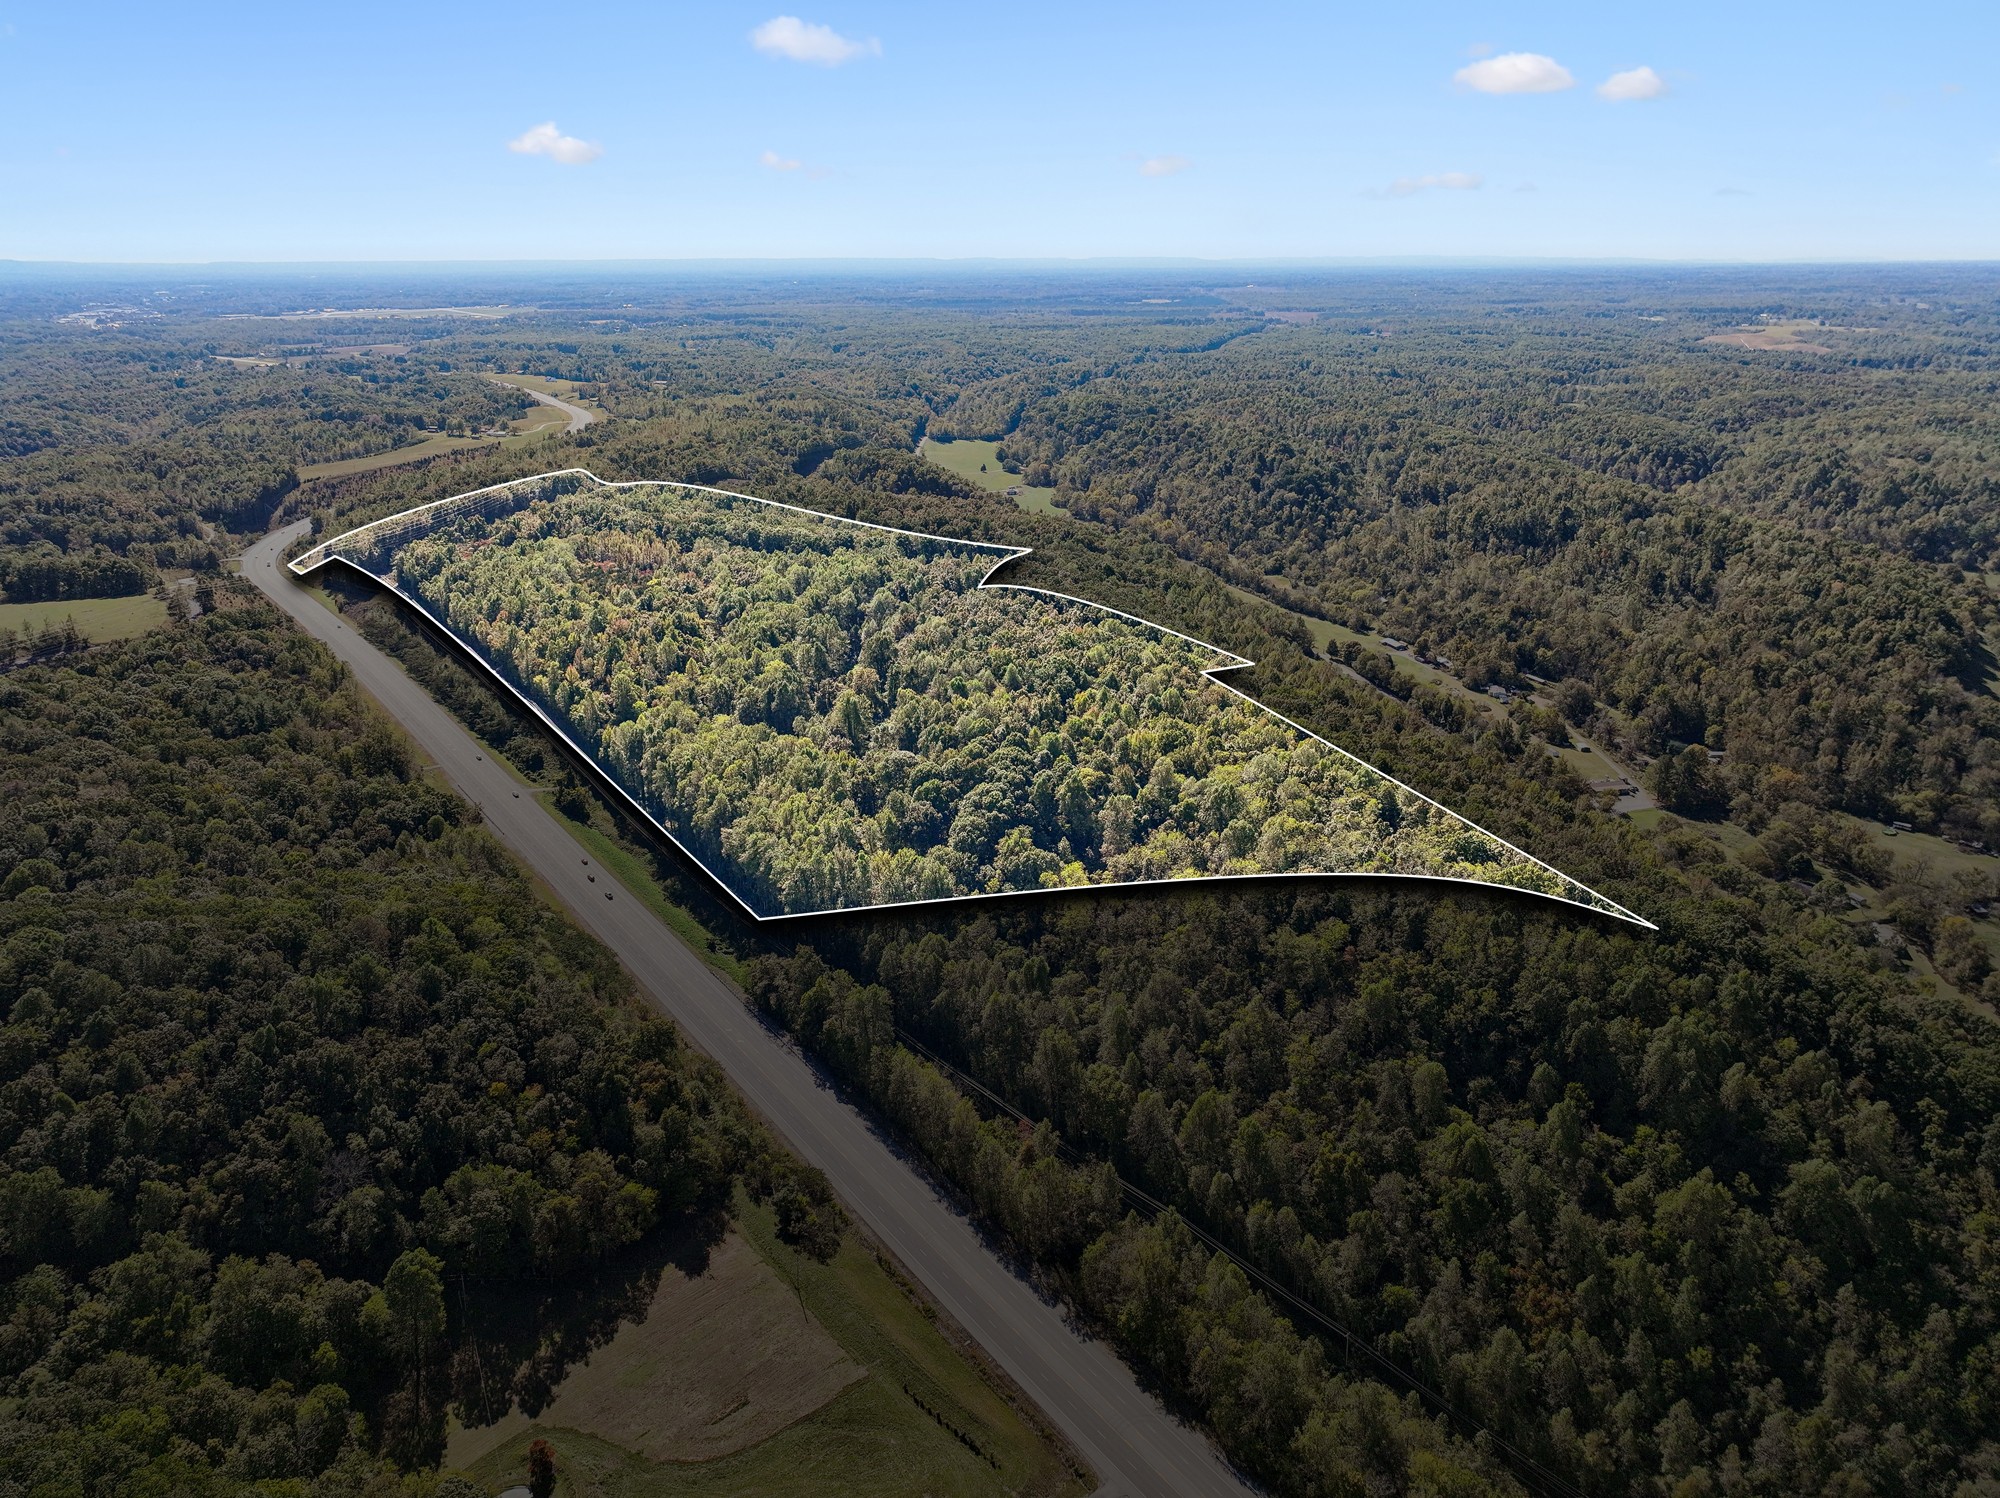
<point>1081,262</point>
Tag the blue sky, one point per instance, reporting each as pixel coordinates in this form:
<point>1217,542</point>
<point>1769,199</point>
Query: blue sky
<point>1759,129</point>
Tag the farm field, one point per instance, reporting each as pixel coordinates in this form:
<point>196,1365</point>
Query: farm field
<point>96,619</point>
<point>1793,334</point>
<point>771,1373</point>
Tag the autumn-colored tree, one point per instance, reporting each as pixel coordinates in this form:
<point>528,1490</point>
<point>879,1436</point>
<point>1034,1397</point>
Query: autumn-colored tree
<point>541,1468</point>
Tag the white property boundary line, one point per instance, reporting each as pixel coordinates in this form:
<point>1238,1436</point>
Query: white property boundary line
<point>318,556</point>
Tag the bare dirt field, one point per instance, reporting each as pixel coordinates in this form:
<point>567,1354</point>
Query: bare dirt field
<point>1783,337</point>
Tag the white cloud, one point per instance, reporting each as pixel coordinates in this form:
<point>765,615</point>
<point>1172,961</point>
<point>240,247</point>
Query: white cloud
<point>546,140</point>
<point>779,163</point>
<point>1404,187</point>
<point>1163,166</point>
<point>804,41</point>
<point>1515,73</point>
<point>1634,83</point>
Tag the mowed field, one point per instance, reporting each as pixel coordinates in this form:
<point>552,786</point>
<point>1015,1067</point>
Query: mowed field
<point>95,618</point>
<point>723,1361</point>
<point>769,1373</point>
<point>979,463</point>
<point>408,453</point>
<point>539,422</point>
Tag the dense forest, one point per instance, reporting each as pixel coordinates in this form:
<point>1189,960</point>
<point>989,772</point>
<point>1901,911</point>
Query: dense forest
<point>1535,507</point>
<point>832,715</point>
<point>1697,1213</point>
<point>1481,1139</point>
<point>298,1070</point>
<point>123,452</point>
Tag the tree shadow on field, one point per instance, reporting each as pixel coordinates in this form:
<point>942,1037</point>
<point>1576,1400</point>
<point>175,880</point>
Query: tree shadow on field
<point>516,1340</point>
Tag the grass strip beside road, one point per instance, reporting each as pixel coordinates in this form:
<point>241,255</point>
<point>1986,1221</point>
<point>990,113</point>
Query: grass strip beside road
<point>629,869</point>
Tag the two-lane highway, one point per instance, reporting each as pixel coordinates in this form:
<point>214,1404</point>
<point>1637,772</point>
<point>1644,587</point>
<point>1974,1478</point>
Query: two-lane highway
<point>1136,1448</point>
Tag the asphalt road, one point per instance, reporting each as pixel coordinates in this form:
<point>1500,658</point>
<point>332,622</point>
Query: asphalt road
<point>1135,1447</point>
<point>579,416</point>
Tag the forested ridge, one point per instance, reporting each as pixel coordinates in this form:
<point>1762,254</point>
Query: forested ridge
<point>1483,1139</point>
<point>831,715</point>
<point>1778,553</point>
<point>298,1072</point>
<point>1706,1212</point>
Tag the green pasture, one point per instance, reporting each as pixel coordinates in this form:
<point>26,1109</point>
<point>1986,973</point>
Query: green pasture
<point>979,463</point>
<point>97,619</point>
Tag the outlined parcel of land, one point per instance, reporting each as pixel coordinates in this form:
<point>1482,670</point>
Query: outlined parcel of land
<point>831,715</point>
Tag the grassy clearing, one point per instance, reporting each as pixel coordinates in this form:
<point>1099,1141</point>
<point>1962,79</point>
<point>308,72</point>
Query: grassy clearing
<point>1909,848</point>
<point>1588,763</point>
<point>540,422</point>
<point>724,1360</point>
<point>1780,334</point>
<point>96,619</point>
<point>1325,634</point>
<point>567,389</point>
<point>872,1439</point>
<point>979,463</point>
<point>412,452</point>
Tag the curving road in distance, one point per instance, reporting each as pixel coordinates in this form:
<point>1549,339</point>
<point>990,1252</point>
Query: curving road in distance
<point>1136,1448</point>
<point>579,416</point>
